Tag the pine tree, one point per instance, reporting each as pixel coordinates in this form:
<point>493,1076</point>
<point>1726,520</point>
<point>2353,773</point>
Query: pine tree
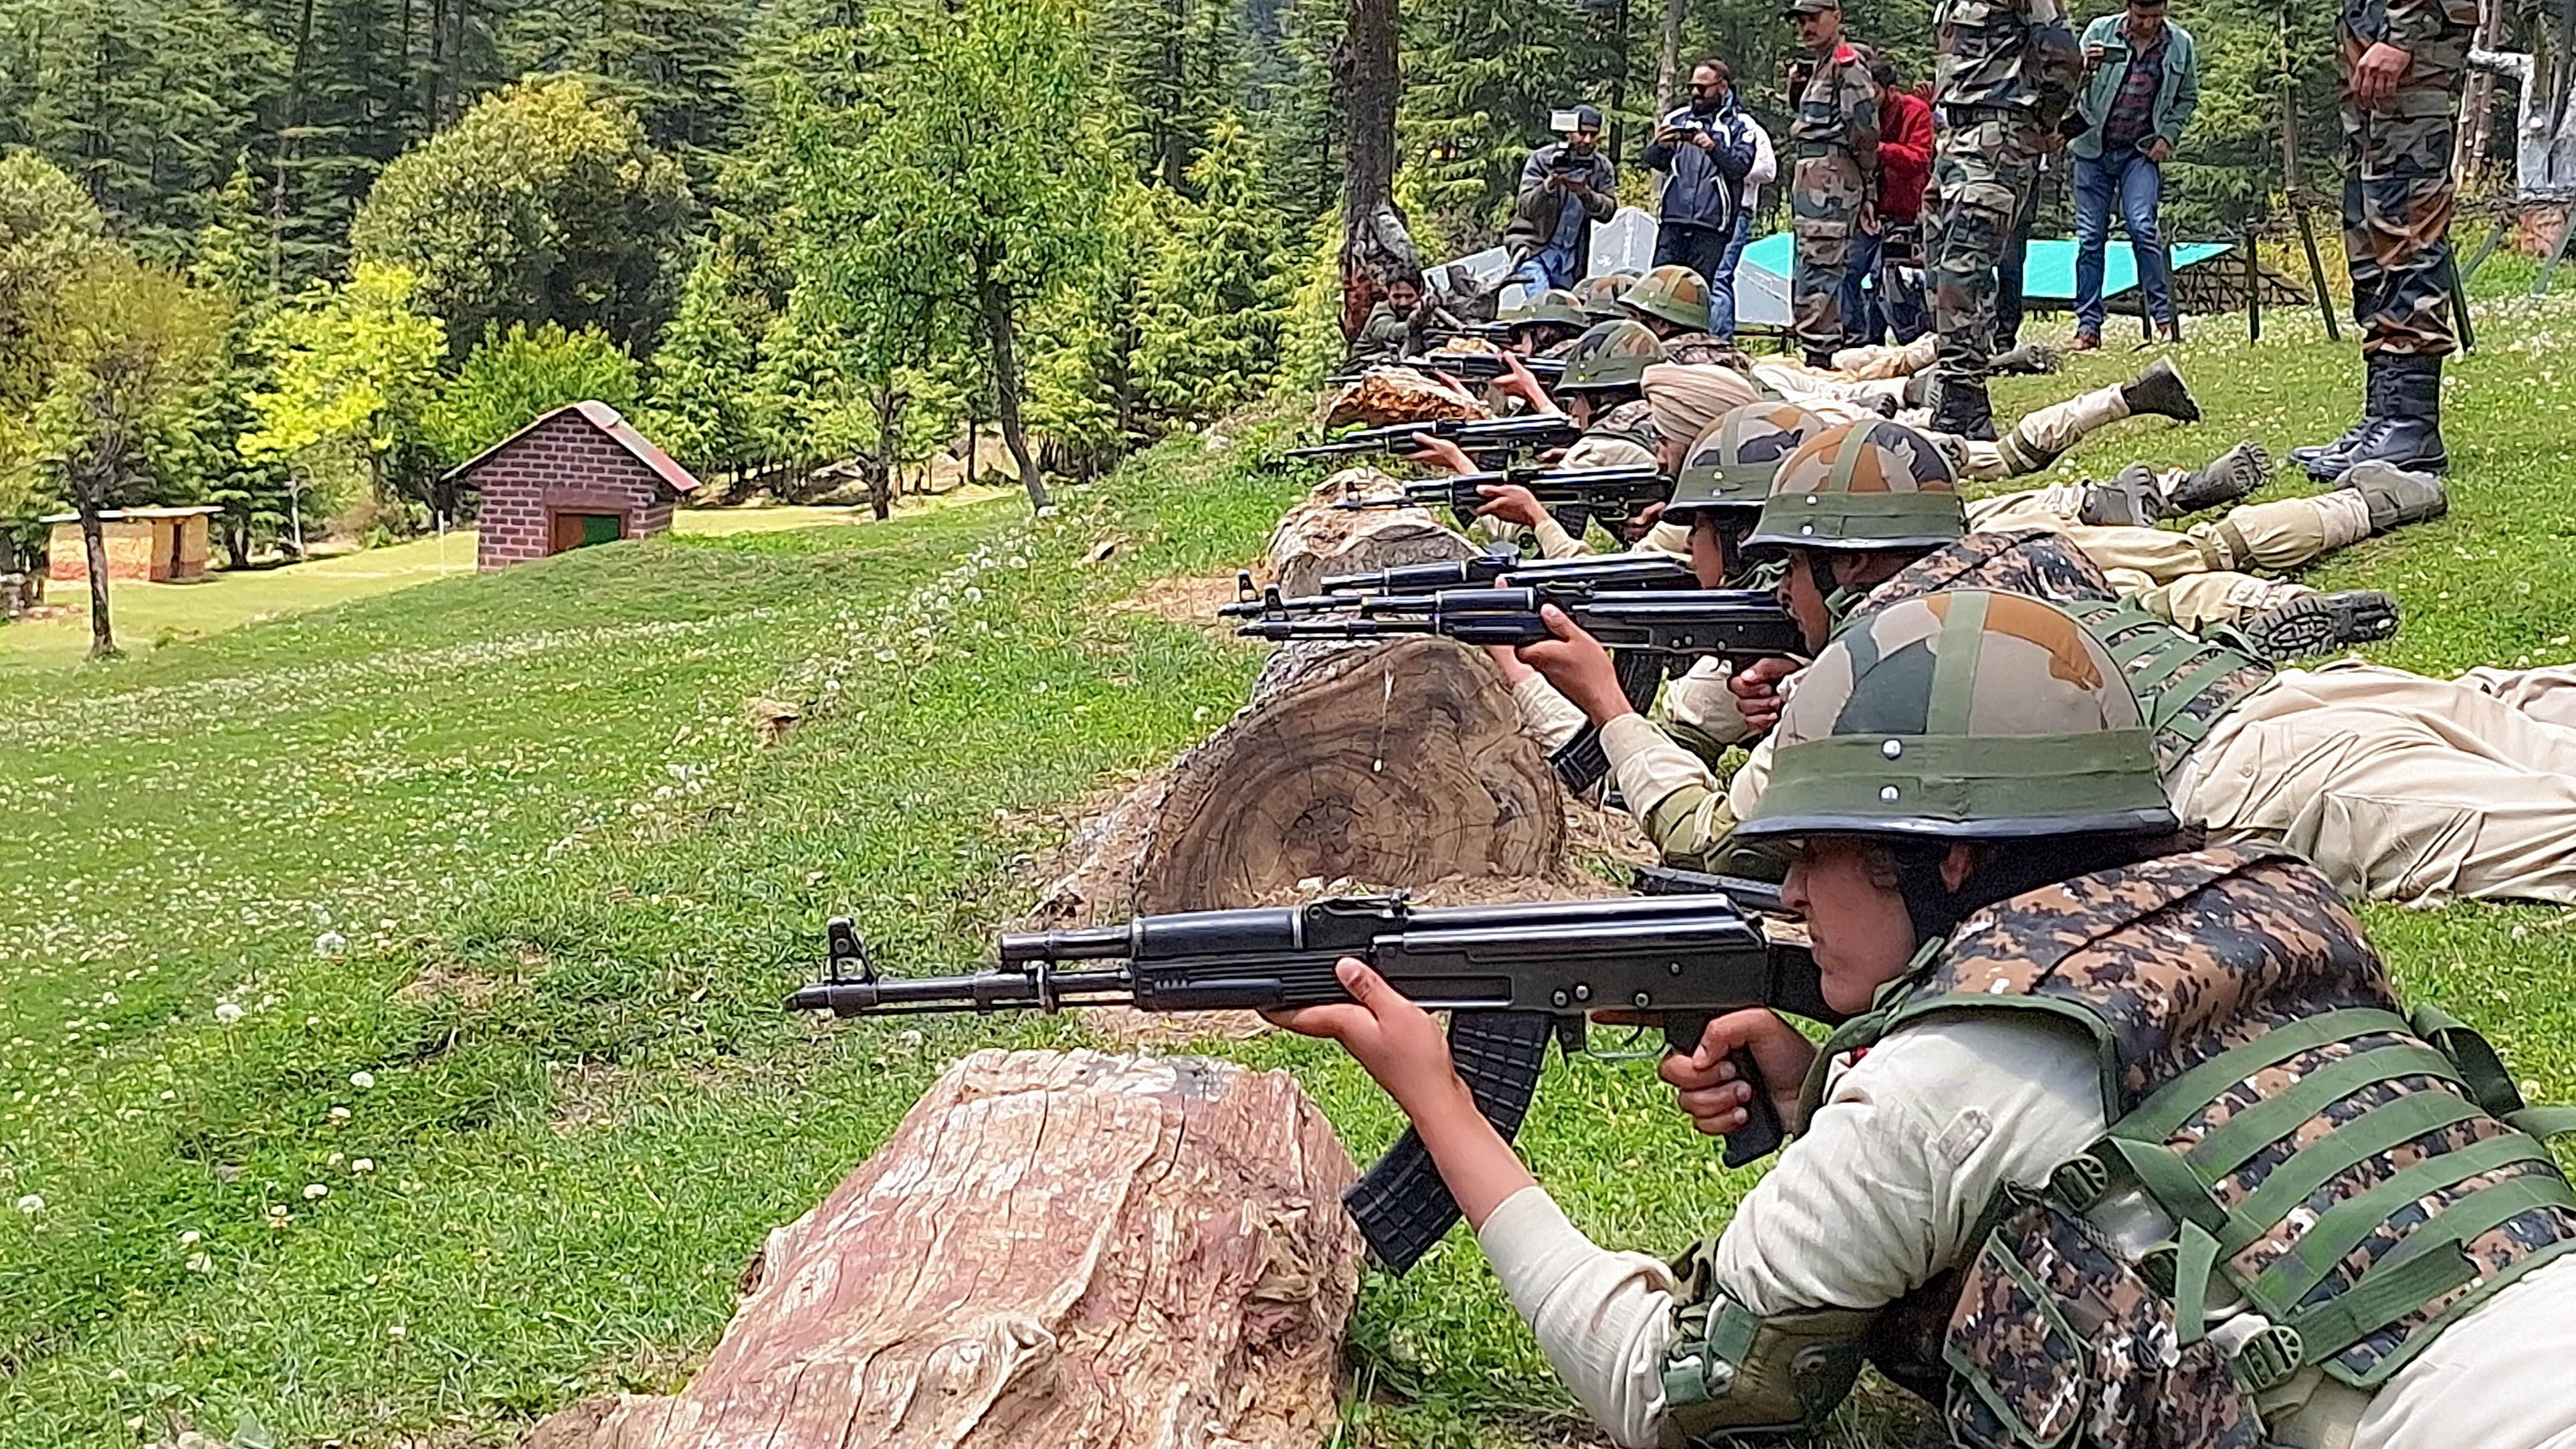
<point>707,354</point>
<point>1216,304</point>
<point>1169,67</point>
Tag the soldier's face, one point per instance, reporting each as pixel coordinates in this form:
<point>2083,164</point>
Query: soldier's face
<point>1713,550</point>
<point>1818,29</point>
<point>1845,888</point>
<point>1802,592</point>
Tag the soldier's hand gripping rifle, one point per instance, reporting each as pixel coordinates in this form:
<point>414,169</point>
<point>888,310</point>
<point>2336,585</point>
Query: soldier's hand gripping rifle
<point>1501,438</point>
<point>1645,631</point>
<point>1511,976</point>
<point>1576,493</point>
<point>1613,572</point>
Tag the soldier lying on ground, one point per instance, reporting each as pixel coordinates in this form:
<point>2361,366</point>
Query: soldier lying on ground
<point>2132,1140</point>
<point>2397,786</point>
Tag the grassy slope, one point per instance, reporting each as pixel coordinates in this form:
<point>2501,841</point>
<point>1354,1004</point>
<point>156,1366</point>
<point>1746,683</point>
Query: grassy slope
<point>536,792</point>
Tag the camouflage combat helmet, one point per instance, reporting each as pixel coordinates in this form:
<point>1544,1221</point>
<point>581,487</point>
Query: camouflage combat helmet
<point>1872,484</point>
<point>1610,355</point>
<point>1674,293</point>
<point>1731,463</point>
<point>1555,307</point>
<point>1599,296</point>
<point>1964,715</point>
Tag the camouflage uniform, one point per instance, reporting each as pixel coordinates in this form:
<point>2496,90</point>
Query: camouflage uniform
<point>1835,141</point>
<point>2007,71</point>
<point>2398,187</point>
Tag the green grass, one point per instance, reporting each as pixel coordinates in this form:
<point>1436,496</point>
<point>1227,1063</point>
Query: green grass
<point>154,616</point>
<point>568,890</point>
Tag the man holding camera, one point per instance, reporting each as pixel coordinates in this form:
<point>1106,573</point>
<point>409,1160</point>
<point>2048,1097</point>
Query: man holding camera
<point>1715,160</point>
<point>2142,84</point>
<point>1565,187</point>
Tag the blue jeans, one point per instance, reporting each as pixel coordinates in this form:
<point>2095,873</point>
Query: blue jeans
<point>1713,254</point>
<point>2138,184</point>
<point>1889,308</point>
<point>1553,265</point>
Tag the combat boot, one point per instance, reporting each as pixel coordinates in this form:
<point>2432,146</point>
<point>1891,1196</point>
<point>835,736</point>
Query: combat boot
<point>2409,434</point>
<point>2313,624</point>
<point>1962,409</point>
<point>2325,462</point>
<point>2130,500</point>
<point>2396,496</point>
<point>2229,476</point>
<point>2159,392</point>
<point>2030,357</point>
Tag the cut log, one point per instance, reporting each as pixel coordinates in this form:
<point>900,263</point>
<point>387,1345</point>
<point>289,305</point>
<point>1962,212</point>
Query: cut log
<point>1398,764</point>
<point>1384,395</point>
<point>1315,538</point>
<point>1055,1250</point>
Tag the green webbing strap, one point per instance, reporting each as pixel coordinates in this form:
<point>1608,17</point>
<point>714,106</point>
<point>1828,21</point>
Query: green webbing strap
<point>2480,1068</point>
<point>2177,1101</point>
<point>1954,668</point>
<point>2166,1177</point>
<point>2273,1118</point>
<point>2543,1122</point>
<point>2341,1228</point>
<point>2430,1262</point>
<point>2192,1267</point>
<point>2176,653</point>
<point>2382,1128</point>
<point>2175,699</point>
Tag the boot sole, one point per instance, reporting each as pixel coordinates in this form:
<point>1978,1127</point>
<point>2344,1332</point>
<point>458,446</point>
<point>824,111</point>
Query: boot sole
<point>2313,624</point>
<point>2439,465</point>
<point>2249,466</point>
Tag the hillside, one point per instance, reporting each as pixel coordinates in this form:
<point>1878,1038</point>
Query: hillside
<point>488,886</point>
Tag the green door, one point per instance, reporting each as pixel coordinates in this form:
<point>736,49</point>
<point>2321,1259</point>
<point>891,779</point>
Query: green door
<point>580,530</point>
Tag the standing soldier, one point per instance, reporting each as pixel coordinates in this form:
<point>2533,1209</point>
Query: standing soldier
<point>2403,64</point>
<point>1835,141</point>
<point>2007,76</point>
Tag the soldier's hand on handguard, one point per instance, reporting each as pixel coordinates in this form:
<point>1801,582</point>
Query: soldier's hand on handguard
<point>1705,1083</point>
<point>1756,688</point>
<point>1518,381</point>
<point>1442,453</point>
<point>1400,1045</point>
<point>1643,522</point>
<point>1509,502</point>
<point>2376,75</point>
<point>1579,668</point>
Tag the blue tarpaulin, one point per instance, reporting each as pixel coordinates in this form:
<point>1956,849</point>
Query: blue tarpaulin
<point>2048,273</point>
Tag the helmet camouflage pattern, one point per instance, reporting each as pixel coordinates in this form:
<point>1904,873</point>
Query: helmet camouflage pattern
<point>1731,463</point>
<point>1555,307</point>
<point>1964,715</point>
<point>1673,292</point>
<point>1872,484</point>
<point>1612,354</point>
<point>1599,296</point>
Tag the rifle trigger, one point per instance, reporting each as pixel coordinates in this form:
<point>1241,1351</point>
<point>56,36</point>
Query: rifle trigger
<point>1570,1035</point>
<point>845,947</point>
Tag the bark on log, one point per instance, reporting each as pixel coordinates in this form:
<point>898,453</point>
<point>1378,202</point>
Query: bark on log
<point>1397,764</point>
<point>1315,538</point>
<point>1055,1250</point>
<point>1387,395</point>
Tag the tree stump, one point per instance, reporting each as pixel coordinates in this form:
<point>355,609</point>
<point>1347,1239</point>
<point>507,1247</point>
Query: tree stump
<point>1400,764</point>
<point>1055,1250</point>
<point>1392,394</point>
<point>1315,538</point>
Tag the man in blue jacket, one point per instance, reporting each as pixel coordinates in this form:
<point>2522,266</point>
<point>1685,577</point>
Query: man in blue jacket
<point>1715,159</point>
<point>2142,82</point>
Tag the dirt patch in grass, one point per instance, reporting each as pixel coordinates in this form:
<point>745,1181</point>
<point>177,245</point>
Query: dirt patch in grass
<point>1191,599</point>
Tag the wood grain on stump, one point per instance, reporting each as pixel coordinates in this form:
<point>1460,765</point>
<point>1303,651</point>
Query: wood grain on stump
<point>1315,538</point>
<point>1401,763</point>
<point>1055,1250</point>
<point>1385,395</point>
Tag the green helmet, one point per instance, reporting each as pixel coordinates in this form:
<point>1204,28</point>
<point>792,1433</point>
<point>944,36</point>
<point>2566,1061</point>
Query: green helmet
<point>1731,463</point>
<point>1555,307</point>
<point>1872,484</point>
<point>1673,292</point>
<point>1964,715</point>
<point>1599,296</point>
<point>1610,355</point>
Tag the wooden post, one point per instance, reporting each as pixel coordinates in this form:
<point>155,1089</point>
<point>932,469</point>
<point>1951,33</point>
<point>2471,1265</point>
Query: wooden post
<point>1054,1249</point>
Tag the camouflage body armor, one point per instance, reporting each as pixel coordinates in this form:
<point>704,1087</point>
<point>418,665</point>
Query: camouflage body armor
<point>2354,1177</point>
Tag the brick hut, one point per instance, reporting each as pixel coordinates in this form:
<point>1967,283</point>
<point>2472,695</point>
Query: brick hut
<point>579,475</point>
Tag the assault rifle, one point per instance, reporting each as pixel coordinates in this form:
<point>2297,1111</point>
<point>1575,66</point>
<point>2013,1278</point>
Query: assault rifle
<point>1644,630</point>
<point>1615,491</point>
<point>1464,366</point>
<point>1346,591</point>
<point>1499,436</point>
<point>1511,976</point>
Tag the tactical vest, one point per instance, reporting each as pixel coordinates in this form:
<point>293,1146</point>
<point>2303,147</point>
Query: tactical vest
<point>2353,1178</point>
<point>2183,682</point>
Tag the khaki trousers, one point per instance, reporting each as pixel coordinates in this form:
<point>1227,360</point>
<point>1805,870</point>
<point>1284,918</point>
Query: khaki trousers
<point>2195,577</point>
<point>2399,786</point>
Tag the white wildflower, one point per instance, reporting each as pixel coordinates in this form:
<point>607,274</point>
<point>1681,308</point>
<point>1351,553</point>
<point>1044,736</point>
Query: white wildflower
<point>31,1204</point>
<point>228,1012</point>
<point>362,1080</point>
<point>315,1192</point>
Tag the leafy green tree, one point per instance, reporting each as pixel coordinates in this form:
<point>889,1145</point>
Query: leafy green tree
<point>355,371</point>
<point>544,204</point>
<point>128,342</point>
<point>519,375</point>
<point>1085,391</point>
<point>49,231</point>
<point>202,455</point>
<point>1170,69</point>
<point>1217,302</point>
<point>1481,77</point>
<point>710,349</point>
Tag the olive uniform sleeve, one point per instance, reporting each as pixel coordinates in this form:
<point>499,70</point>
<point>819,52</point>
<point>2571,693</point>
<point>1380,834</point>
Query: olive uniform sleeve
<point>1859,102</point>
<point>1676,798</point>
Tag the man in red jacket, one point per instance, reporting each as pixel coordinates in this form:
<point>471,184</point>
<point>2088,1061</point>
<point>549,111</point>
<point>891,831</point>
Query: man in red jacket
<point>1893,257</point>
